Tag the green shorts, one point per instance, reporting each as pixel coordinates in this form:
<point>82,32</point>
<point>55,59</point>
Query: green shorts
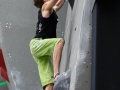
<point>42,51</point>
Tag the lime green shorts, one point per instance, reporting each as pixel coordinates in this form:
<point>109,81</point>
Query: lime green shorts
<point>42,51</point>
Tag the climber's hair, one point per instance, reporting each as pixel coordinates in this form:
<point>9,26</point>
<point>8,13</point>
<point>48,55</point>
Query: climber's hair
<point>38,3</point>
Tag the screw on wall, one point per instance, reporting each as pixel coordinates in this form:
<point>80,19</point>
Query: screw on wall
<point>8,25</point>
<point>75,28</point>
<point>62,33</point>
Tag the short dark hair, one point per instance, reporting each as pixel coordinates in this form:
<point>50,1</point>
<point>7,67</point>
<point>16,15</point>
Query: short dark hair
<point>38,3</point>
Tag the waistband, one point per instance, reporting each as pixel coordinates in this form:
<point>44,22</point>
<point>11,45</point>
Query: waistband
<point>37,39</point>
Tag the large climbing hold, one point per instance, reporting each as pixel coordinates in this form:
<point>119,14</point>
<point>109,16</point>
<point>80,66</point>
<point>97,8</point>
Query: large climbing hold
<point>63,83</point>
<point>3,70</point>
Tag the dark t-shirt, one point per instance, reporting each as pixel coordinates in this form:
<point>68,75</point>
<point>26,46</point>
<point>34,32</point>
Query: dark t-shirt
<point>46,27</point>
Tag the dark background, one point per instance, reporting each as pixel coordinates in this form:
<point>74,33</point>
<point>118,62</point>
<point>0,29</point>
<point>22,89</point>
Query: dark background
<point>106,45</point>
<point>71,2</point>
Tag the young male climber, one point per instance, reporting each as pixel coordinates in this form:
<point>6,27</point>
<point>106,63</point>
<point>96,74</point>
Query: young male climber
<point>45,45</point>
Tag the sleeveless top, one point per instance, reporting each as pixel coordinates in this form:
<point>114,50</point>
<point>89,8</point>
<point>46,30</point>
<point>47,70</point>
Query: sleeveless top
<point>46,27</point>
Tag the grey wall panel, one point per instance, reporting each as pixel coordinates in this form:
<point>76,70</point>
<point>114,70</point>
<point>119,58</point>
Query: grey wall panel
<point>3,87</point>
<point>65,54</point>
<point>18,20</point>
<point>62,20</point>
<point>17,27</point>
<point>77,50</point>
<point>1,79</point>
<point>72,34</point>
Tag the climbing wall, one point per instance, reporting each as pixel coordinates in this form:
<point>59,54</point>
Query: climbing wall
<point>77,53</point>
<point>17,27</point>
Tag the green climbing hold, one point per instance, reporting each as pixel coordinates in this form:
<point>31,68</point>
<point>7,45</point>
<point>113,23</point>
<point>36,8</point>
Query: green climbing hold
<point>3,83</point>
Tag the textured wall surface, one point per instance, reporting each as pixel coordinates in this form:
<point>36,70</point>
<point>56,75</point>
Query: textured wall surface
<point>77,50</point>
<point>17,27</point>
<point>2,85</point>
